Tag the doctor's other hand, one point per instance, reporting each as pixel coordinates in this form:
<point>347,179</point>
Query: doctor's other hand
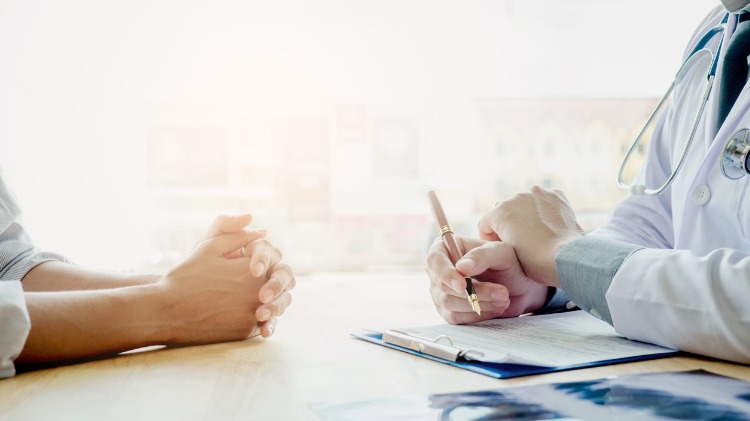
<point>502,287</point>
<point>264,259</point>
<point>538,224</point>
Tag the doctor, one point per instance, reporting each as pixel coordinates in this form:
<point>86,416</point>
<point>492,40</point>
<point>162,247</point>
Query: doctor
<point>672,265</point>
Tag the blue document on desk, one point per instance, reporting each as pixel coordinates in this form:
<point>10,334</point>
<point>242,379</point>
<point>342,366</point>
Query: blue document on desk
<point>521,346</point>
<point>691,395</point>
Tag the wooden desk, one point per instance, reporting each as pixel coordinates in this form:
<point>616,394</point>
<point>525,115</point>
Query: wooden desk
<point>311,358</point>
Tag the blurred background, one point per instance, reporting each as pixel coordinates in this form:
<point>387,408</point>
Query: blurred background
<point>126,126</point>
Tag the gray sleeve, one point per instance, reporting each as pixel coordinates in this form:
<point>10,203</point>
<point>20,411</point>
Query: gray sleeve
<point>586,268</point>
<point>17,253</point>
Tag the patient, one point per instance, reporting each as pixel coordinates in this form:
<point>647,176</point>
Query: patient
<point>232,286</point>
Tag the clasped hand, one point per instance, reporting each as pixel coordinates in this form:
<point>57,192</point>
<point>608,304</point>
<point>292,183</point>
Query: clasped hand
<point>232,286</point>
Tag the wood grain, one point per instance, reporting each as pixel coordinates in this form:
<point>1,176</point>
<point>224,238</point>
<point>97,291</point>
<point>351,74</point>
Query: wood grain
<point>311,358</point>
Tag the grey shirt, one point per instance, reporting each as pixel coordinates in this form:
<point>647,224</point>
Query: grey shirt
<point>586,268</point>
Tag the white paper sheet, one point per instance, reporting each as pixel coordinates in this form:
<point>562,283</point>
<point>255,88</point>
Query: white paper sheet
<point>551,340</point>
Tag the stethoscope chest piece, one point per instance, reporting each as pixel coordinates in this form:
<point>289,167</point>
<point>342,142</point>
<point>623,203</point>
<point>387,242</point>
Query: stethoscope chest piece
<point>733,160</point>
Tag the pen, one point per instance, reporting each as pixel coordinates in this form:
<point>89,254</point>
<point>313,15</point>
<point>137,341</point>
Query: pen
<point>454,252</point>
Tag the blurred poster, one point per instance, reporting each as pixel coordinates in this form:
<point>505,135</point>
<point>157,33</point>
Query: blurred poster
<point>396,148</point>
<point>352,123</point>
<point>188,156</point>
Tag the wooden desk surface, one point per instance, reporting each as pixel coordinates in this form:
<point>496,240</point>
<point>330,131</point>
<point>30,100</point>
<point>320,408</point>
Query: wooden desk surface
<point>311,358</point>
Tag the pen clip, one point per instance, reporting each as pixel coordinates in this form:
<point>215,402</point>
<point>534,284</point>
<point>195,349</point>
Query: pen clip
<point>424,345</point>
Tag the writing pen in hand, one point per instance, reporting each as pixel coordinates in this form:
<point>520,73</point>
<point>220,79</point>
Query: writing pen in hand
<point>451,245</point>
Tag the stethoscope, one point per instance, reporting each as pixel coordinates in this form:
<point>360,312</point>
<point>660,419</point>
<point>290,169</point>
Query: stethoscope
<point>734,160</point>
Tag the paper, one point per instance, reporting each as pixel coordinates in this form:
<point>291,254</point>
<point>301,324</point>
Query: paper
<point>551,340</point>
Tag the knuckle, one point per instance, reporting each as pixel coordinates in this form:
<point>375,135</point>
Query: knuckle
<point>280,311</point>
<point>437,246</point>
<point>538,190</point>
<point>260,244</point>
<point>286,268</point>
<point>432,260</point>
<point>431,274</point>
<point>492,215</point>
<point>443,299</point>
<point>500,208</point>
<point>445,274</point>
<point>271,307</point>
<point>451,317</point>
<point>282,271</point>
<point>435,294</point>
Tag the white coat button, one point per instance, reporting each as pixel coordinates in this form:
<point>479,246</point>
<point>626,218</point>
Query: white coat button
<point>701,194</point>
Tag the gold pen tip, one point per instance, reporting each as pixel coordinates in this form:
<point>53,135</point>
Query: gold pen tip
<point>475,304</point>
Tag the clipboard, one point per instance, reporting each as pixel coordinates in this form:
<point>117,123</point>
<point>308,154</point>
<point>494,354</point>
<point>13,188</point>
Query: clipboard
<point>494,370</point>
<point>521,346</point>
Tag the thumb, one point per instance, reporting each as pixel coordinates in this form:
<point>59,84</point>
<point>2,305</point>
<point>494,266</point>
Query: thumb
<point>225,244</point>
<point>223,224</point>
<point>494,255</point>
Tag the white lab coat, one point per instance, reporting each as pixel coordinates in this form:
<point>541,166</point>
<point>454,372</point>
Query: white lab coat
<point>690,288</point>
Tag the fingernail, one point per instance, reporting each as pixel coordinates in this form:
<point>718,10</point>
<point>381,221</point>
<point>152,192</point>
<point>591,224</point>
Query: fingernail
<point>270,331</point>
<point>499,296</point>
<point>258,269</point>
<point>500,304</point>
<point>265,314</point>
<point>467,263</point>
<point>267,295</point>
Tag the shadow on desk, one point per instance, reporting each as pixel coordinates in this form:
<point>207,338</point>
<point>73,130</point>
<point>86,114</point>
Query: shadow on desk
<point>29,367</point>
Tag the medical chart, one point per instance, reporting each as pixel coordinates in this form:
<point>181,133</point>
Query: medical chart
<point>552,340</point>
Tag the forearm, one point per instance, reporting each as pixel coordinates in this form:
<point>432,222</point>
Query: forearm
<point>681,300</point>
<point>58,276</point>
<point>207,298</point>
<point>586,267</point>
<point>73,324</point>
<point>673,298</point>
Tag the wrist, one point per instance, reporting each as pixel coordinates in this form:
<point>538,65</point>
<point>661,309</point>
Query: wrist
<point>149,307</point>
<point>139,279</point>
<point>549,276</point>
<point>539,298</point>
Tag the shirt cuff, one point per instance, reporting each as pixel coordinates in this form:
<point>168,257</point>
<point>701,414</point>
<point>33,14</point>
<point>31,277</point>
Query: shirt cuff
<point>586,267</point>
<point>557,301</point>
<point>14,325</point>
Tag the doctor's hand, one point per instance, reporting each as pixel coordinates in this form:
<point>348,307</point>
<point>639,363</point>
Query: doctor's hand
<point>538,224</point>
<point>265,259</point>
<point>502,287</point>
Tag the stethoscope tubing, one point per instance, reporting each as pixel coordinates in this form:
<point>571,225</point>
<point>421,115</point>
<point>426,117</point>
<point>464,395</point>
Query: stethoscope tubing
<point>700,46</point>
